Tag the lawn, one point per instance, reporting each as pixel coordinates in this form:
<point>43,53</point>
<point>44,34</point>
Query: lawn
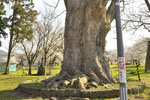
<point>132,80</point>
<point>10,82</point>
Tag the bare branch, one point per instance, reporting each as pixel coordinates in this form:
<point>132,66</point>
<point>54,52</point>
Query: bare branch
<point>111,12</point>
<point>53,13</point>
<point>147,4</point>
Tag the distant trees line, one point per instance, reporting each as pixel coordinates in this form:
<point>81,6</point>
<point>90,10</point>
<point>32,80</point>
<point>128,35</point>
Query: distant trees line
<point>137,52</point>
<point>34,37</point>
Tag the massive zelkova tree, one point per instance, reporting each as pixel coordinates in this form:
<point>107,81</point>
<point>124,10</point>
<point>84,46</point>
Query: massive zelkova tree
<point>84,65</point>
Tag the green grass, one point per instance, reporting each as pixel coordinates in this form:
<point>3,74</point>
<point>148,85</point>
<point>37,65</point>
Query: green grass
<point>10,82</point>
<point>132,79</point>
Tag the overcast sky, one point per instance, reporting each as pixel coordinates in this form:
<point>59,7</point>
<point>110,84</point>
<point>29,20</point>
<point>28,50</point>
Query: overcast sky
<point>111,43</point>
<point>129,39</point>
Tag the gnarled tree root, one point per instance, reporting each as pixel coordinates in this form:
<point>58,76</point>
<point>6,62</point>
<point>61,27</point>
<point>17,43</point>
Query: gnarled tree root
<point>78,81</point>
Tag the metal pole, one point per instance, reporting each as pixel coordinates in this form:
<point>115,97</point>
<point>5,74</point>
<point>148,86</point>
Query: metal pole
<point>120,49</point>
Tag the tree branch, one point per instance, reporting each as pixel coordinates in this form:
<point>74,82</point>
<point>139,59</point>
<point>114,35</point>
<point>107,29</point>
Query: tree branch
<point>65,1</point>
<point>147,4</point>
<point>111,12</point>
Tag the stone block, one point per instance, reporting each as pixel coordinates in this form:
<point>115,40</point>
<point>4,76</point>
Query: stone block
<point>73,93</point>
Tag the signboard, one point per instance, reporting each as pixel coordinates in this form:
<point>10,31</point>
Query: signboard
<point>122,69</point>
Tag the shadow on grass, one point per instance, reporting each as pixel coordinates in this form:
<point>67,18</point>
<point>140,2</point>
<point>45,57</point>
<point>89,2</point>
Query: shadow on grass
<point>131,71</point>
<point>9,95</point>
<point>102,98</point>
<point>36,84</point>
<point>12,95</point>
<point>132,80</point>
<point>134,72</point>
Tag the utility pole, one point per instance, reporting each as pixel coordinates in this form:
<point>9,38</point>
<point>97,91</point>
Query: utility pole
<point>120,49</point>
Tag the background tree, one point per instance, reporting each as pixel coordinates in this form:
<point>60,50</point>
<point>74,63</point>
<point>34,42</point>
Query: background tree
<point>32,48</point>
<point>86,27</point>
<point>52,33</point>
<point>52,42</point>
<point>136,52</point>
<point>3,18</point>
<point>20,24</point>
<point>112,56</point>
<point>147,62</point>
<point>136,20</point>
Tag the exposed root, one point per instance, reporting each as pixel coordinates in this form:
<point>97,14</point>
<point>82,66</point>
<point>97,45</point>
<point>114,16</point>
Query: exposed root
<point>78,81</point>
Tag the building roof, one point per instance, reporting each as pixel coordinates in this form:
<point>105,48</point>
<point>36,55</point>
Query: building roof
<point>2,52</point>
<point>3,57</point>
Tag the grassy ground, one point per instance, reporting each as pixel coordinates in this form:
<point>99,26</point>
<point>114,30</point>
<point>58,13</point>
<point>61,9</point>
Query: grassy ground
<point>10,82</point>
<point>132,80</point>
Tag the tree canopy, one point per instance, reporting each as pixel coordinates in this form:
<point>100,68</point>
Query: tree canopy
<point>20,23</point>
<point>22,20</point>
<point>3,19</point>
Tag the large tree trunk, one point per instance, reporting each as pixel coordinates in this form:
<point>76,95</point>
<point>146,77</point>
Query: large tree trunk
<point>84,46</point>
<point>147,63</point>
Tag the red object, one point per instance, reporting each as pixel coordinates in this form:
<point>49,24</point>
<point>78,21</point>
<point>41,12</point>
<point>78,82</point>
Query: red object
<point>122,65</point>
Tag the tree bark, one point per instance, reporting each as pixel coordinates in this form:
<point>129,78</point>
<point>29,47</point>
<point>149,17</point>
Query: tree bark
<point>147,4</point>
<point>41,70</point>
<point>11,45</point>
<point>45,62</point>
<point>9,56</point>
<point>9,52</point>
<point>30,69</point>
<point>84,45</point>
<point>147,63</point>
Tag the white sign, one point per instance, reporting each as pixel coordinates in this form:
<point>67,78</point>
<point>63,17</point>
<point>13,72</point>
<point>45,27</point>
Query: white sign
<point>122,69</point>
